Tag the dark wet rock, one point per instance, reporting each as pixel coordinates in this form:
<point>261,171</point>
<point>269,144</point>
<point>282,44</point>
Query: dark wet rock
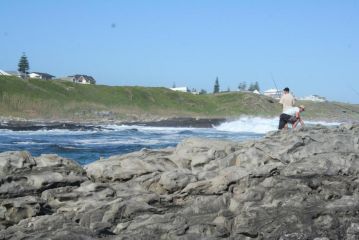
<point>44,125</point>
<point>29,125</point>
<point>181,122</point>
<point>289,185</point>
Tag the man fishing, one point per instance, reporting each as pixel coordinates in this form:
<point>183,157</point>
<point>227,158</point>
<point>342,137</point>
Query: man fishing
<point>292,116</point>
<point>287,99</point>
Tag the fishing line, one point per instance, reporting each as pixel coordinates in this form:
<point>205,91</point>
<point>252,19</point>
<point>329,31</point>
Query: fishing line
<point>347,108</point>
<point>275,84</point>
<point>353,89</point>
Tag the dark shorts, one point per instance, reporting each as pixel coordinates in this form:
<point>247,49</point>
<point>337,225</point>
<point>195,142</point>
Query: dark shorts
<point>284,119</point>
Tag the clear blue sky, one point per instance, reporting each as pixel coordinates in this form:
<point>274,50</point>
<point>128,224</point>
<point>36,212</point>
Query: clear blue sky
<point>310,46</point>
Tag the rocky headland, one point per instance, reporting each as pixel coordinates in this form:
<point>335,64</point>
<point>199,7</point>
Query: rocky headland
<point>288,185</point>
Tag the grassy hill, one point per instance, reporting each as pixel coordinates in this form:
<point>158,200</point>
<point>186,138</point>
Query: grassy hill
<point>41,99</point>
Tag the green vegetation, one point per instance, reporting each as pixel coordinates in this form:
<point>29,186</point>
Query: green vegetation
<point>42,99</point>
<point>254,86</point>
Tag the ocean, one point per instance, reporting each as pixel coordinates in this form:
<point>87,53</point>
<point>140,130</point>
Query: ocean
<point>86,146</point>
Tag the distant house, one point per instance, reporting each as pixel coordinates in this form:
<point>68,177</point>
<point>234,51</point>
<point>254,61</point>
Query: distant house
<point>256,92</point>
<point>83,79</point>
<point>3,73</point>
<point>180,89</point>
<point>274,93</point>
<point>195,92</point>
<point>12,73</point>
<point>40,75</point>
<point>314,98</point>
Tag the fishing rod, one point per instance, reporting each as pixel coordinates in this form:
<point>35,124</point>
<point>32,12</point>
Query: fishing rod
<point>347,108</point>
<point>275,84</point>
<point>353,89</point>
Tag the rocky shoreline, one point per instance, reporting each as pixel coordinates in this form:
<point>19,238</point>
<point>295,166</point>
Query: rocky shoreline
<point>288,185</point>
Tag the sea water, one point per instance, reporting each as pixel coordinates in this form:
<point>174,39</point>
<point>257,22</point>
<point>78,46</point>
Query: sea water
<point>90,145</point>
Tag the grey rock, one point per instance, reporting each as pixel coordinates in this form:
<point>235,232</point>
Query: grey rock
<point>12,162</point>
<point>125,167</point>
<point>288,185</point>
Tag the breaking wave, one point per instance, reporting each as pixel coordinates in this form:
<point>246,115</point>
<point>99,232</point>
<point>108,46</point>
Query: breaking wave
<point>260,125</point>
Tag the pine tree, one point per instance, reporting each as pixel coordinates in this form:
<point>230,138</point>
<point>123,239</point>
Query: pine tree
<point>256,86</point>
<point>23,66</point>
<point>242,86</point>
<point>203,91</point>
<point>251,87</point>
<point>216,86</point>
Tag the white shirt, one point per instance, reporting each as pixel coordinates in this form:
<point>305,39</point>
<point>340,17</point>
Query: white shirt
<point>291,111</point>
<point>287,100</point>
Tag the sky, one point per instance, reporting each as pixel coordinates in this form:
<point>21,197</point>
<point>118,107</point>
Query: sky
<point>312,47</point>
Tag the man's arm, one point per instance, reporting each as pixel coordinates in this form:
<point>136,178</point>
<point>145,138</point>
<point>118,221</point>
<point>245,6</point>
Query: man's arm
<point>301,122</point>
<point>299,119</point>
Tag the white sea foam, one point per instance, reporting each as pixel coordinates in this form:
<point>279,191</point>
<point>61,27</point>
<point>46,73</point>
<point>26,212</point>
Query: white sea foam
<point>46,132</point>
<point>260,125</point>
<point>30,143</point>
<point>324,123</point>
<point>146,128</point>
<point>250,124</point>
<point>126,141</point>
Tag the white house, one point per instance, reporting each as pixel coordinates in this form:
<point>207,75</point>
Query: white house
<point>3,73</point>
<point>274,93</point>
<point>84,79</point>
<point>12,73</point>
<point>40,75</point>
<point>180,89</point>
<point>79,78</point>
<point>314,98</point>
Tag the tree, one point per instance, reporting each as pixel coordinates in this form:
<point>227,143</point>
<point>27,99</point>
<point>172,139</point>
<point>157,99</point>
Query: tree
<point>203,91</point>
<point>242,86</point>
<point>251,87</point>
<point>216,86</point>
<point>23,66</point>
<point>256,86</point>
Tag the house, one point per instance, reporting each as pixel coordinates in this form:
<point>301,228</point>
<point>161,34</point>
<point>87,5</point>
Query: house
<point>81,78</point>
<point>180,89</point>
<point>314,98</point>
<point>274,93</point>
<point>40,75</point>
<point>12,73</point>
<point>3,73</point>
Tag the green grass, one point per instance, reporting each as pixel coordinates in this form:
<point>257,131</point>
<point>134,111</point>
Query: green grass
<point>34,98</point>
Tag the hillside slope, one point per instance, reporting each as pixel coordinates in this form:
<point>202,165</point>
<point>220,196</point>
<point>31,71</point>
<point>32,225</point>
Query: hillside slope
<point>41,99</point>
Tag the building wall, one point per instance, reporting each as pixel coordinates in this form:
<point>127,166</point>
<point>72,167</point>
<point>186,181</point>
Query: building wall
<point>34,75</point>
